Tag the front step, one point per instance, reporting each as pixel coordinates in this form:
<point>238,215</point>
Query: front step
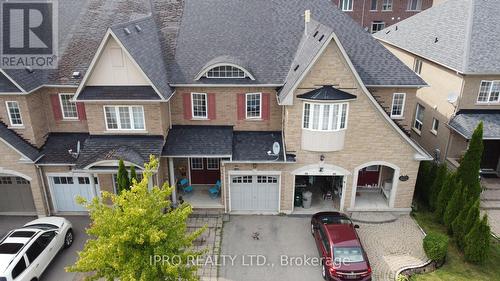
<point>373,217</point>
<point>209,212</point>
<point>490,205</point>
<point>490,195</point>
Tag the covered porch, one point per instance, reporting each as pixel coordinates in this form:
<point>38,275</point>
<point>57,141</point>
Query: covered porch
<point>193,157</point>
<point>462,127</point>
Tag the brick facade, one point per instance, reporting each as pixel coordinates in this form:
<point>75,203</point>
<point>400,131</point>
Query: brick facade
<point>363,15</point>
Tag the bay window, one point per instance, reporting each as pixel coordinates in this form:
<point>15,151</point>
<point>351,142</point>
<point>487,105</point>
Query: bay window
<point>324,117</point>
<point>124,117</point>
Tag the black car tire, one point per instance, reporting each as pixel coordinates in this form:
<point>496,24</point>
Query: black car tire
<point>68,239</point>
<point>312,229</point>
<point>324,272</point>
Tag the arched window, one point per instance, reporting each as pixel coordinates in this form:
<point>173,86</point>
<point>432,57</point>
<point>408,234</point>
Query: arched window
<point>226,71</point>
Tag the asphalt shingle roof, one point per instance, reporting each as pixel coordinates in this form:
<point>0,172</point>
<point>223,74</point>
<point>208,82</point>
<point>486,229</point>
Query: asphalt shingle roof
<point>56,148</point>
<point>327,93</point>
<point>253,146</point>
<point>459,34</point>
<point>118,93</point>
<point>18,142</point>
<point>259,32</point>
<point>143,44</point>
<point>466,121</point>
<point>199,141</point>
<point>6,86</point>
<point>135,149</point>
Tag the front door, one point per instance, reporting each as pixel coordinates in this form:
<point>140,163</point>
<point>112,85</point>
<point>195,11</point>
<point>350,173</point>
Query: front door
<point>204,170</point>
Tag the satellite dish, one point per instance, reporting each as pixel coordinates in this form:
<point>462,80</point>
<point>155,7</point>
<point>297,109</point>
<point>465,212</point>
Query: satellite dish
<point>276,148</point>
<point>452,97</point>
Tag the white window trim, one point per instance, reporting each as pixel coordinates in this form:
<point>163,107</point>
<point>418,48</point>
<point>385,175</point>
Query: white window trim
<point>260,106</point>
<point>388,10</point>
<point>489,92</point>
<point>206,106</point>
<point>400,116</point>
<point>212,169</point>
<point>408,7</point>
<point>376,7</point>
<point>433,130</point>
<point>10,117</point>
<point>416,120</point>
<point>245,75</point>
<point>418,61</point>
<point>351,6</point>
<point>118,122</point>
<point>191,164</point>
<point>377,23</point>
<point>62,107</point>
<point>320,121</point>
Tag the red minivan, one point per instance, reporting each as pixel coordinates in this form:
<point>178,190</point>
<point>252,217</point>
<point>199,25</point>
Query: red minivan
<point>343,256</point>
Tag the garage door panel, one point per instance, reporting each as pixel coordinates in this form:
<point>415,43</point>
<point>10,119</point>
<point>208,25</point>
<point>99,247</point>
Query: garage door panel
<point>16,196</point>
<point>254,193</point>
<point>65,190</point>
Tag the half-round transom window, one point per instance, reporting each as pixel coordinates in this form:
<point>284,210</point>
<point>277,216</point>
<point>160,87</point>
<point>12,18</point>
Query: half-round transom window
<point>225,71</point>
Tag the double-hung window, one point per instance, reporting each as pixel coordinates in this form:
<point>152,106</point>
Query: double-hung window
<point>68,107</point>
<point>346,5</point>
<point>199,105</point>
<point>14,113</point>
<point>435,126</point>
<point>254,105</point>
<point>398,105</point>
<point>124,117</point>
<point>419,118</point>
<point>324,117</point>
<point>489,92</point>
<point>414,5</point>
<point>377,26</point>
<point>386,5</point>
<point>417,66</point>
<point>373,6</point>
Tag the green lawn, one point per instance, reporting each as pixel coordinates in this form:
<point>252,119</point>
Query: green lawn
<point>456,268</point>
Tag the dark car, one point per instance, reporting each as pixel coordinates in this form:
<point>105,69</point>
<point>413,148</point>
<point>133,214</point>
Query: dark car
<point>343,256</point>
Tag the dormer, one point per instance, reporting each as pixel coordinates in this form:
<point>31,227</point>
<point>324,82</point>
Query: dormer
<point>224,67</point>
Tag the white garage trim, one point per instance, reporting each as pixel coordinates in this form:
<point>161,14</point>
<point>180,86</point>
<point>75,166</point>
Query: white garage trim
<point>14,173</point>
<point>328,170</point>
<point>49,176</point>
<point>253,173</point>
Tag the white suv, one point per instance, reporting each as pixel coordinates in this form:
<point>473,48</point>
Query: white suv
<point>26,252</point>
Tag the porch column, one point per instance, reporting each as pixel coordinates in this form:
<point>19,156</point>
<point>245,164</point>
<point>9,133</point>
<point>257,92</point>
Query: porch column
<point>92,185</point>
<point>171,177</point>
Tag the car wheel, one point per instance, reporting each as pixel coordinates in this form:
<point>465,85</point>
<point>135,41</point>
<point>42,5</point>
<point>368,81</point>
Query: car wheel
<point>312,229</point>
<point>68,239</point>
<point>323,272</point>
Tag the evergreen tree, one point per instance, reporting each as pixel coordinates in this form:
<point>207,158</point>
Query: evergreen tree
<point>122,177</point>
<point>445,195</point>
<point>454,206</point>
<point>472,217</point>
<point>468,172</point>
<point>477,242</point>
<point>458,225</point>
<point>442,172</point>
<point>422,179</point>
<point>133,174</point>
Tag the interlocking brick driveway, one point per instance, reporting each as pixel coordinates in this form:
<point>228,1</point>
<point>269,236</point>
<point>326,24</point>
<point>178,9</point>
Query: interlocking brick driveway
<point>390,246</point>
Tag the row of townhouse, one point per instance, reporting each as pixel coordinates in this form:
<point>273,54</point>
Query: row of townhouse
<point>458,60</point>
<point>268,97</point>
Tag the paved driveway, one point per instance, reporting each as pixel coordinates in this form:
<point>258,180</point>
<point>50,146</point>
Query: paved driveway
<point>389,246</point>
<point>55,271</point>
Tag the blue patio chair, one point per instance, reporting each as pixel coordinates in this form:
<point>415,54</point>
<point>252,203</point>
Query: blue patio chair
<point>184,184</point>
<point>215,190</point>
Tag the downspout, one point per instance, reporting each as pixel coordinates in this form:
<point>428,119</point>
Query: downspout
<point>45,196</point>
<point>282,129</point>
<point>169,115</point>
<point>362,14</point>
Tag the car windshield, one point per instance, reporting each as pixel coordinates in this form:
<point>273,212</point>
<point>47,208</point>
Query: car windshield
<point>43,226</point>
<point>348,254</point>
<point>10,248</point>
<point>334,220</point>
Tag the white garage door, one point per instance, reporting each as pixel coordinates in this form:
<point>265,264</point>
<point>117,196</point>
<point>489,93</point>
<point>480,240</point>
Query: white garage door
<point>255,193</point>
<point>65,189</point>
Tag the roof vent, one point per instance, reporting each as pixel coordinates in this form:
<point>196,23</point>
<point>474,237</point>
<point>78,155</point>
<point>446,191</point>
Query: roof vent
<point>315,33</point>
<point>76,74</point>
<point>29,69</point>
<point>138,28</point>
<point>296,67</point>
<point>127,31</point>
<point>436,40</point>
<point>321,38</point>
<point>387,32</point>
<point>396,27</point>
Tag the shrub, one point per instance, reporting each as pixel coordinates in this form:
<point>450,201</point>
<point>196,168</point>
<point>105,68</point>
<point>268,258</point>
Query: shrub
<point>468,172</point>
<point>436,246</point>
<point>444,195</point>
<point>477,242</point>
<point>122,178</point>
<point>454,206</point>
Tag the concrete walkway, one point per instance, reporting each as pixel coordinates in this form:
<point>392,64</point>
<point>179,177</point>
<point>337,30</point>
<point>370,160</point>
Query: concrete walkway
<point>490,203</point>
